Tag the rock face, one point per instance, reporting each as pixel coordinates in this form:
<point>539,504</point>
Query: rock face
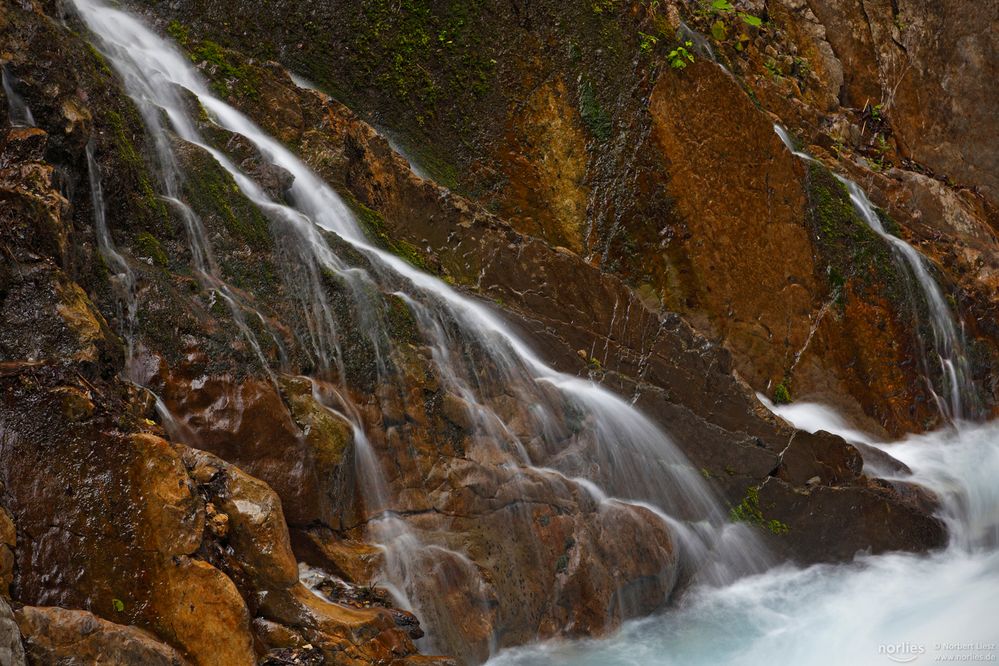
<point>743,205</point>
<point>923,63</point>
<point>687,194</point>
<point>228,428</point>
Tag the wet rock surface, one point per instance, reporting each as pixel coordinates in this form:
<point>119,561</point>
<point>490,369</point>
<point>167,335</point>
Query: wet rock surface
<point>60,636</point>
<point>11,649</point>
<point>682,274</point>
<point>651,150</point>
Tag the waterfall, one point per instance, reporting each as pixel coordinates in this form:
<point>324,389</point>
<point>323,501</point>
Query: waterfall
<point>960,398</point>
<point>891,608</point>
<point>18,113</point>
<point>569,434</point>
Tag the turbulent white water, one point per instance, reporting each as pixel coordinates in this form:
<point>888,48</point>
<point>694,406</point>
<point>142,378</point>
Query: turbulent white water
<point>617,456</point>
<point>959,399</point>
<point>895,608</point>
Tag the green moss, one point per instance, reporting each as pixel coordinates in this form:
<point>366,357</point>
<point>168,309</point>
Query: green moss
<point>402,324</point>
<point>889,223</point>
<point>749,511</point>
<point>179,32</point>
<point>782,395</point>
<point>146,245</point>
<point>851,249</point>
<point>421,51</point>
<point>229,74</point>
<point>149,203</point>
<point>594,117</point>
<point>213,194</point>
<point>99,60</point>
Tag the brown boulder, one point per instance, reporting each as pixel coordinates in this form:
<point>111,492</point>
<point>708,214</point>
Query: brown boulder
<point>255,528</point>
<point>22,144</point>
<point>200,610</point>
<point>820,458</point>
<point>857,518</point>
<point>298,448</point>
<point>344,635</point>
<point>78,638</point>
<point>11,650</point>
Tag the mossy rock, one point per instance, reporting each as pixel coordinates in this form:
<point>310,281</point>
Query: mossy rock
<point>851,250</point>
<point>146,245</point>
<point>213,194</point>
<point>328,435</point>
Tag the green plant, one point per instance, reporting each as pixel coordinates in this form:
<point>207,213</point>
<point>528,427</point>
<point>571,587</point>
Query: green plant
<point>179,32</point>
<point>782,395</point>
<point>773,68</point>
<point>802,68</point>
<point>719,31</point>
<point>726,7</point>
<point>679,57</point>
<point>646,42</point>
<point>118,605</point>
<point>749,511</point>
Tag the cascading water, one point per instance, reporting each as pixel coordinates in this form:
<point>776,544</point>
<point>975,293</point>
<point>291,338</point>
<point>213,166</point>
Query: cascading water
<point>18,113</point>
<point>569,434</point>
<point>894,608</point>
<point>960,398</point>
<point>123,278</point>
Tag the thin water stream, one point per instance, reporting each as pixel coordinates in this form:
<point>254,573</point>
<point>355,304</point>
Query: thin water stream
<point>956,396</point>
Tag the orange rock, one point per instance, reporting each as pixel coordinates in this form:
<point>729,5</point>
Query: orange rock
<point>57,635</point>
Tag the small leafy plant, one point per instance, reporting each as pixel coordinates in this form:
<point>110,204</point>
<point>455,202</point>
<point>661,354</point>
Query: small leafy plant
<point>749,511</point>
<point>726,7</point>
<point>647,42</point>
<point>680,57</point>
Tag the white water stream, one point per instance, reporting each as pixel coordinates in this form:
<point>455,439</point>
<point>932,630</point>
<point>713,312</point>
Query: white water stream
<point>18,113</point>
